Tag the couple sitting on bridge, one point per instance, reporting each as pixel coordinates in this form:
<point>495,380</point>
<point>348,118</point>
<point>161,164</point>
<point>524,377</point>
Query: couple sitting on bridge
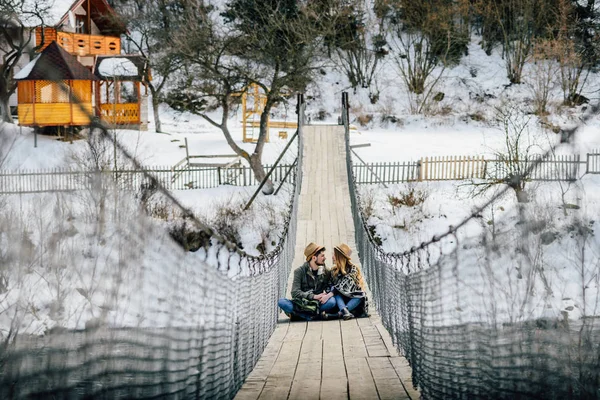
<point>318,292</point>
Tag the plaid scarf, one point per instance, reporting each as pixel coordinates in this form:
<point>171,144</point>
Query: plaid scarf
<point>347,285</point>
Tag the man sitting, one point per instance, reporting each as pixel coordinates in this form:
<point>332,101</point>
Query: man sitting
<point>310,288</point>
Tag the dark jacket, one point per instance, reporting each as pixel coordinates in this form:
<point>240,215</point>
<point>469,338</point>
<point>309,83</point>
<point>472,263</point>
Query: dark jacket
<point>305,284</point>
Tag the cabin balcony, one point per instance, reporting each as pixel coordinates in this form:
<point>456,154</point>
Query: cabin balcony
<point>80,44</point>
<point>120,114</point>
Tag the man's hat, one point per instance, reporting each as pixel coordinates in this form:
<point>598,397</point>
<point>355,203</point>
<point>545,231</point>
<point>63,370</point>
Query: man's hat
<point>344,249</point>
<point>311,249</point>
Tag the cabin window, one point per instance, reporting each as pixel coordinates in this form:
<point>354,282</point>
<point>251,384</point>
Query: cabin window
<point>80,22</point>
<point>51,92</point>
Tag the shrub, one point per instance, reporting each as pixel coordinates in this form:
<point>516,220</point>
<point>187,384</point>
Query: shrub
<point>411,198</point>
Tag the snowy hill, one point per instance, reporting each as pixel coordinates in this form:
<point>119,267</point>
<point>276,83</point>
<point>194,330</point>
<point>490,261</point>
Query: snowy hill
<point>464,122</point>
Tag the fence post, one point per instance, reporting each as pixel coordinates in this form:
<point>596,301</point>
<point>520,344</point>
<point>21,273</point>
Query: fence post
<point>587,163</point>
<point>219,175</point>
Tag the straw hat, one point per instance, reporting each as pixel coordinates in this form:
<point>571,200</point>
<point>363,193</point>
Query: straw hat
<point>344,249</point>
<point>311,249</point>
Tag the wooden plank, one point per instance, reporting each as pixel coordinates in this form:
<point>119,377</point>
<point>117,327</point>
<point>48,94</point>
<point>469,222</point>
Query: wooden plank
<point>360,380</point>
<point>255,382</point>
<point>352,340</point>
<point>404,372</point>
<point>372,339</point>
<point>279,380</point>
<point>385,336</point>
<point>389,386</point>
<point>307,377</point>
<point>334,383</point>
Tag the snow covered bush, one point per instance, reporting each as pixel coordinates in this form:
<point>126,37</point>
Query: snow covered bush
<point>514,261</point>
<point>411,198</point>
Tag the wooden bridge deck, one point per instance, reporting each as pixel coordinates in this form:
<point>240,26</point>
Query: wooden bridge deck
<point>328,359</point>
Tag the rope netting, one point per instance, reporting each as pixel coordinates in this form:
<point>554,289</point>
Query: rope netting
<point>472,312</point>
<point>99,298</point>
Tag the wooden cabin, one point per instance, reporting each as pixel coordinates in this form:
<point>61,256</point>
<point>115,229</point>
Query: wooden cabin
<point>89,31</point>
<point>54,89</point>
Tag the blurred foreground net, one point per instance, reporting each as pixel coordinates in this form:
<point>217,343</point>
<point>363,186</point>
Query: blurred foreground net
<point>99,297</point>
<point>471,313</point>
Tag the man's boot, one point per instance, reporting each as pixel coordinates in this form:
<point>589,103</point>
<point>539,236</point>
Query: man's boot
<point>325,316</point>
<point>346,315</point>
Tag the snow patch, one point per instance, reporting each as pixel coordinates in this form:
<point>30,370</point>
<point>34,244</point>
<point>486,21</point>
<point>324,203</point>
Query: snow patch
<point>24,73</point>
<point>117,66</point>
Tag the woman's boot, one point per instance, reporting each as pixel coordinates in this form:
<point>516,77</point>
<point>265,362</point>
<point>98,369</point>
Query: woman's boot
<point>346,315</point>
<point>325,316</point>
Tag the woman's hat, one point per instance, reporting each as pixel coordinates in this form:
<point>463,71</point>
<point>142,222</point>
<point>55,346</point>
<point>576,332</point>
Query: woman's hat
<point>344,249</point>
<point>311,250</point>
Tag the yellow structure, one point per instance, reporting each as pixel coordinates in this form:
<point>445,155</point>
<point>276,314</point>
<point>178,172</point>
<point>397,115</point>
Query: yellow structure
<point>253,104</point>
<point>119,89</point>
<point>81,73</point>
<point>61,97</point>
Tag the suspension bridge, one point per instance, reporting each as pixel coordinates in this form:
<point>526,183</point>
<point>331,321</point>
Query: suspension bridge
<point>327,359</point>
<point>206,325</point>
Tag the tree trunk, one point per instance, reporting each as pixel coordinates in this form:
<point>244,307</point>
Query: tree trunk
<point>155,111</point>
<point>5,115</point>
<point>260,173</point>
<point>522,196</point>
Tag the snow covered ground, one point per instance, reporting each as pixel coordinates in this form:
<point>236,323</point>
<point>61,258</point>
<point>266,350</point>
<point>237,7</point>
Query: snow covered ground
<point>465,122</point>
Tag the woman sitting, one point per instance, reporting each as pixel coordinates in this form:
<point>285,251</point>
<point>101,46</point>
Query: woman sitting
<point>348,285</point>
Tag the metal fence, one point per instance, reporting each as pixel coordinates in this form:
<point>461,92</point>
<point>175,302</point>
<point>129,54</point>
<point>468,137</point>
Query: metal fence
<point>387,172</point>
<point>168,323</point>
<point>445,168</point>
<point>64,179</point>
<point>205,338</point>
<point>558,168</point>
<point>592,162</point>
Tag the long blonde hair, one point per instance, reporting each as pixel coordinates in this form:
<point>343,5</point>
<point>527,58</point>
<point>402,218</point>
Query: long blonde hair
<point>342,265</point>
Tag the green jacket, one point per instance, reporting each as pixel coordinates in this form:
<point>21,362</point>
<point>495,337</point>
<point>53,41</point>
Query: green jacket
<point>305,285</point>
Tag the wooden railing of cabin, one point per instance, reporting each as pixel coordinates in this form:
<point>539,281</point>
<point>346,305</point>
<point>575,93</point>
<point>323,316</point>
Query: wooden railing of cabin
<point>120,114</point>
<point>80,44</point>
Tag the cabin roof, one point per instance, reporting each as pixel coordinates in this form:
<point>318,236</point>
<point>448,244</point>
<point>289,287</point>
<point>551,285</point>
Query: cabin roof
<point>127,68</point>
<point>103,15</point>
<point>55,64</point>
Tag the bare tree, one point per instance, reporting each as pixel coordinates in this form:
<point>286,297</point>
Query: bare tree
<point>209,79</point>
<point>425,36</point>
<point>275,44</point>
<point>573,68</point>
<point>149,29</point>
<point>18,19</point>
<point>359,43</point>
<point>514,163</point>
<point>543,75</point>
<point>514,19</point>
<point>281,43</point>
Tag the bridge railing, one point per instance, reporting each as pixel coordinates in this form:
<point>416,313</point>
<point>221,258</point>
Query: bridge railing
<point>468,311</point>
<point>98,300</point>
